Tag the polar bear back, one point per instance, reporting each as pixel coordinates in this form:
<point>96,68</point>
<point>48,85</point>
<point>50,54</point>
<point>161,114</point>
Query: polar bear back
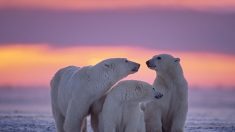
<point>131,90</point>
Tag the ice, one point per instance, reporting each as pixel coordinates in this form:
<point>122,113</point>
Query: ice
<point>28,110</point>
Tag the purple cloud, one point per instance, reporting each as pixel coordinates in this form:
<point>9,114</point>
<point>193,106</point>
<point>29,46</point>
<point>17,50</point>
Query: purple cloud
<point>164,29</point>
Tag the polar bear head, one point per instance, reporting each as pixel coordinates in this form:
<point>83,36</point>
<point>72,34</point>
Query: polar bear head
<point>118,68</point>
<point>135,91</point>
<point>165,64</point>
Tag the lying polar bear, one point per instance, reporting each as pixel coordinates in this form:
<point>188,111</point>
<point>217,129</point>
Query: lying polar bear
<point>123,108</point>
<point>74,90</point>
<point>169,113</point>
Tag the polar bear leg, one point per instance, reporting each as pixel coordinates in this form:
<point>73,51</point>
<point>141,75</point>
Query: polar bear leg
<point>94,122</point>
<point>110,128</point>
<point>135,121</point>
<point>154,125</point>
<point>107,120</point>
<point>130,128</point>
<point>178,120</point>
<point>158,126</point>
<point>177,125</point>
<point>59,120</point>
<point>110,115</point>
<point>141,125</point>
<point>108,125</point>
<point>135,126</point>
<point>177,130</point>
<point>95,111</point>
<point>75,116</point>
<point>58,116</point>
<point>84,125</point>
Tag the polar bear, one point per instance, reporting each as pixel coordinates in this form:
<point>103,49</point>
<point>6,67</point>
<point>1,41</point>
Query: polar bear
<point>74,89</point>
<point>169,113</point>
<point>123,108</point>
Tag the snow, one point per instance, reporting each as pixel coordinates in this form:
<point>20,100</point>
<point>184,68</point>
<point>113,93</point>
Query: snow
<point>28,110</point>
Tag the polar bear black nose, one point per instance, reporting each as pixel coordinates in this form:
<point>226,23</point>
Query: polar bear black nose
<point>136,68</point>
<point>158,95</point>
<point>147,63</point>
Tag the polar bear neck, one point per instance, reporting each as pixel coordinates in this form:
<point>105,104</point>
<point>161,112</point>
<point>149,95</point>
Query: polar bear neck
<point>106,77</point>
<point>172,87</point>
<point>172,78</point>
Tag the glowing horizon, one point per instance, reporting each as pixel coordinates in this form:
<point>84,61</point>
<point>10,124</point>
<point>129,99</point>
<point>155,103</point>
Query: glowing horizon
<point>112,4</point>
<point>34,65</point>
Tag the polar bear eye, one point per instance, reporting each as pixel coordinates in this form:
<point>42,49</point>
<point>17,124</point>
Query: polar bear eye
<point>159,58</point>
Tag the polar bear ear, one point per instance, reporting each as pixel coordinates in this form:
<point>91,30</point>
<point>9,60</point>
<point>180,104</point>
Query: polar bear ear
<point>177,59</point>
<point>107,65</point>
<point>139,85</point>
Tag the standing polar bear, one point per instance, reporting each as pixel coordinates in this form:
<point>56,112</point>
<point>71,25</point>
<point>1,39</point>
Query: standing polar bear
<point>169,113</point>
<point>123,108</point>
<point>74,90</point>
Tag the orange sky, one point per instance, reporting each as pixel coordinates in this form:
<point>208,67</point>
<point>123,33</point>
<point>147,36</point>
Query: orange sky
<point>100,4</point>
<point>35,65</point>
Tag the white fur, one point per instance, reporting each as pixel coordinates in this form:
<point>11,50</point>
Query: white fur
<point>74,90</point>
<point>123,108</point>
<point>169,113</point>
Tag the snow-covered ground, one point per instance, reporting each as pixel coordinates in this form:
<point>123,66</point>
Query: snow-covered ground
<point>28,110</point>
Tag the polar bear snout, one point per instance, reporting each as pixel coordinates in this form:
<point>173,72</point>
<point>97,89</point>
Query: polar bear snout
<point>158,95</point>
<point>136,67</point>
<point>150,64</point>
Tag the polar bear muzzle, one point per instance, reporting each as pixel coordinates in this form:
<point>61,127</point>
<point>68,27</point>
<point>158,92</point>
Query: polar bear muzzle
<point>136,67</point>
<point>157,95</point>
<point>150,64</point>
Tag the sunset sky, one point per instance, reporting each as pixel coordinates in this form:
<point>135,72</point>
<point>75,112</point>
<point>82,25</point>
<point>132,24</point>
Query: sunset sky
<point>112,4</point>
<point>39,37</point>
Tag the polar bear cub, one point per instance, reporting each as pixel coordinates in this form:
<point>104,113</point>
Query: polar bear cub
<point>169,113</point>
<point>123,109</point>
<point>74,90</point>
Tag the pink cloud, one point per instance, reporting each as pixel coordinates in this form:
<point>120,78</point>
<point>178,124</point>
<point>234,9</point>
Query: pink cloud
<point>101,4</point>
